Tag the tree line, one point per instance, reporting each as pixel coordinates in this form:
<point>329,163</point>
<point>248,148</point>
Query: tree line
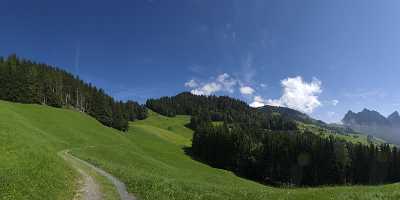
<point>218,108</point>
<point>25,81</point>
<point>267,147</point>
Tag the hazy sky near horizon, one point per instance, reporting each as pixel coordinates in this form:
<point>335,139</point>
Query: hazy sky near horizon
<point>320,57</point>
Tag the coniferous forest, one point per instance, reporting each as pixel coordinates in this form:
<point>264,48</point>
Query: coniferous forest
<point>259,144</point>
<point>25,81</point>
<point>268,148</point>
<point>218,108</point>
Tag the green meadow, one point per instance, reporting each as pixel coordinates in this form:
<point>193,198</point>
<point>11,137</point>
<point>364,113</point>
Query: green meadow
<point>150,159</point>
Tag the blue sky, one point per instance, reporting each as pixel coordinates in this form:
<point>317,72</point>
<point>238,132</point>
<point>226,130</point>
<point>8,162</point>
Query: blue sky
<point>321,57</point>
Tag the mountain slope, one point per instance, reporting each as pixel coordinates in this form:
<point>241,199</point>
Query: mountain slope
<point>365,117</point>
<point>150,159</point>
<point>306,122</point>
<point>394,118</point>
<point>373,123</point>
<point>291,114</point>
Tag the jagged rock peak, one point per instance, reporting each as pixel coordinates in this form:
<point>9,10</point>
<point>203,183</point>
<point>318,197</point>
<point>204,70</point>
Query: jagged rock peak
<point>395,114</point>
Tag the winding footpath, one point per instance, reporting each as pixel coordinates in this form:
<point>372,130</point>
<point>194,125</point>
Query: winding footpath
<point>90,189</point>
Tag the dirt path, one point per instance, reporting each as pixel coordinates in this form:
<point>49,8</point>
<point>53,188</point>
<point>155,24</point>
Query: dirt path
<point>90,189</point>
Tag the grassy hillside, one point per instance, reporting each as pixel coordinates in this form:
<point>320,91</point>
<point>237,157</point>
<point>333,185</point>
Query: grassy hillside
<point>30,137</point>
<point>350,137</point>
<point>150,159</point>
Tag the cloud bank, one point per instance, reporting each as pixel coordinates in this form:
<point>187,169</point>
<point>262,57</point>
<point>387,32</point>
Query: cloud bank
<point>297,94</point>
<point>191,84</point>
<point>246,90</point>
<point>223,83</point>
<point>258,102</point>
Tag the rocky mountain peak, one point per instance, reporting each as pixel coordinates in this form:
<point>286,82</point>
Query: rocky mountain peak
<point>365,117</point>
<point>394,118</point>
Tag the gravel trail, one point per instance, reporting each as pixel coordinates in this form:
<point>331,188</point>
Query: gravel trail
<point>90,189</point>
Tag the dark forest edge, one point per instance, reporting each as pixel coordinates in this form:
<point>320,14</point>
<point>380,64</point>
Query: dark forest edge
<point>25,81</point>
<point>268,147</point>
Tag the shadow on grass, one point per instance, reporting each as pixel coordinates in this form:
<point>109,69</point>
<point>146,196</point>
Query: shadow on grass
<point>188,126</point>
<point>188,151</point>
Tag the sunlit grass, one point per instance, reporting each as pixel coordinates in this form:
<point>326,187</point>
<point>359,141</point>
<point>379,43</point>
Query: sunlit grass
<point>150,159</point>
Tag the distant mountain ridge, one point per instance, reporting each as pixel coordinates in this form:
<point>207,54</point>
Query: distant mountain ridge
<point>306,119</point>
<point>373,123</point>
<point>371,117</point>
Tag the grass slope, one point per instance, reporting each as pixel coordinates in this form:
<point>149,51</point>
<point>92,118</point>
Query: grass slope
<point>149,158</point>
<point>349,137</point>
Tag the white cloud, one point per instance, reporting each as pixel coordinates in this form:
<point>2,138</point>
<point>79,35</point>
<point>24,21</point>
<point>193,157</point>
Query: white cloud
<point>226,82</point>
<point>257,104</point>
<point>207,89</point>
<point>298,95</point>
<point>258,101</point>
<point>191,84</point>
<point>263,85</point>
<point>222,83</point>
<point>274,102</point>
<point>246,90</point>
<point>335,102</point>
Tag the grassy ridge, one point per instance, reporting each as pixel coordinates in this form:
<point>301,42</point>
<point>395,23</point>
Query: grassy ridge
<point>150,159</point>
